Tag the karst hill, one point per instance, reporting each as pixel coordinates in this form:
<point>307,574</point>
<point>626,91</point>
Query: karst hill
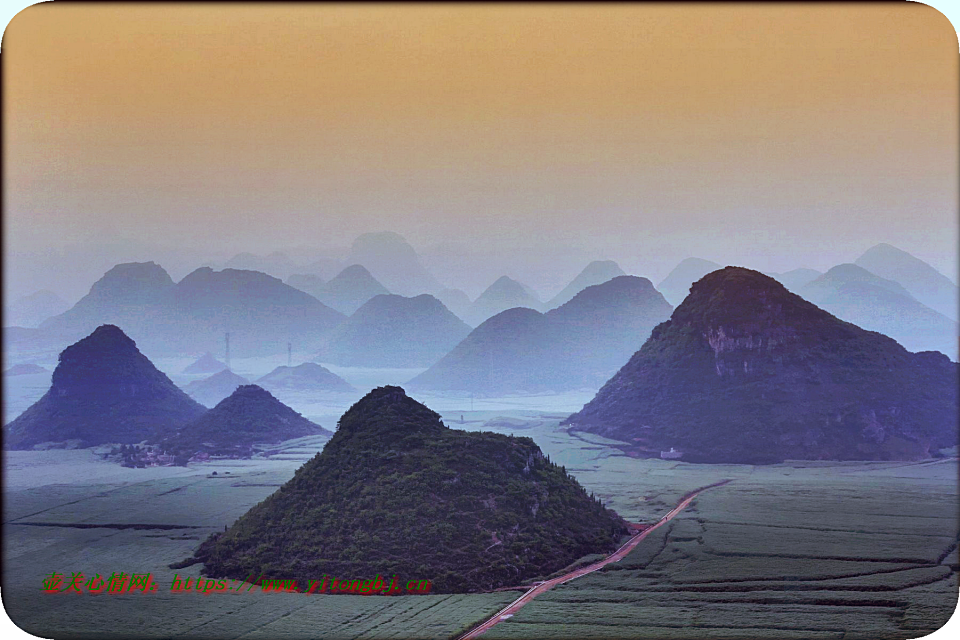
<point>397,492</point>
<point>746,371</point>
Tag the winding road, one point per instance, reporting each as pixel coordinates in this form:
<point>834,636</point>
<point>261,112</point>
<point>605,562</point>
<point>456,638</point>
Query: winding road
<point>616,556</point>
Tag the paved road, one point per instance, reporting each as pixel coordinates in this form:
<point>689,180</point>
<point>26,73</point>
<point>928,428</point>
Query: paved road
<point>616,556</point>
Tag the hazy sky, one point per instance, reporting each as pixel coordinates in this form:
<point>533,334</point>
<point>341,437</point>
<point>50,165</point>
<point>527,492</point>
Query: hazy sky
<point>773,135</point>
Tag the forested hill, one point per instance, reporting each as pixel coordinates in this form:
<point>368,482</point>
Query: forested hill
<point>397,492</point>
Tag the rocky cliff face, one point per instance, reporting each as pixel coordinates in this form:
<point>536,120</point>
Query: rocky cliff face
<point>745,371</point>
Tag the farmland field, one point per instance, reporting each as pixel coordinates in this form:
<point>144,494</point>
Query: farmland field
<point>200,503</point>
<point>795,550</point>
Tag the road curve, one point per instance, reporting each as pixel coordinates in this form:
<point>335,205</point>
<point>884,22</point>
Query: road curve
<point>616,556</point>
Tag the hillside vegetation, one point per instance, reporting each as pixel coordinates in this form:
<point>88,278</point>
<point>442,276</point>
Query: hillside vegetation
<point>397,492</point>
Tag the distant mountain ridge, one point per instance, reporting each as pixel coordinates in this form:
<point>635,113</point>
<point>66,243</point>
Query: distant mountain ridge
<point>597,272</point>
<point>215,388</point>
<point>394,331</point>
<point>132,295</point>
<point>350,289</point>
<point>30,311</point>
<point>26,369</point>
<point>308,283</point>
<point>261,313</point>
<point>676,285</point>
<point>393,262</point>
<point>277,264</point>
<point>854,294</point>
<point>308,376</point>
<point>206,363</point>
<point>797,278</point>
<point>505,293</point>
<point>456,300</point>
<point>579,344</point>
<point>508,353</point>
<point>925,283</point>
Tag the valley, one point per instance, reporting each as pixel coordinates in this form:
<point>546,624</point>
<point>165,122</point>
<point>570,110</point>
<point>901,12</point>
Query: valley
<point>865,546</point>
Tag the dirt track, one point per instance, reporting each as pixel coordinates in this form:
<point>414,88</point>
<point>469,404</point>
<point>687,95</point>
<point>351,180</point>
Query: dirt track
<point>616,556</point>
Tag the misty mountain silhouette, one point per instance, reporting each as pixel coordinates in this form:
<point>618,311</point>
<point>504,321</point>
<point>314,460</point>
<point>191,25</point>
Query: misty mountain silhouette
<point>605,324</point>
<point>747,372</point>
<point>250,415</point>
<point>206,363</point>
<point>308,376</point>
<point>261,313</point>
<point>277,264</point>
<point>456,300</point>
<point>854,294</point>
<point>676,285</point>
<point>508,353</point>
<point>395,491</point>
<point>597,272</point>
<point>925,283</point>
<point>505,293</point>
<point>103,390</point>
<point>212,390</point>
<point>350,289</point>
<point>24,370</point>
<point>308,283</point>
<point>579,344</point>
<point>797,278</point>
<point>393,262</point>
<point>135,295</point>
<point>326,268</point>
<point>394,331</point>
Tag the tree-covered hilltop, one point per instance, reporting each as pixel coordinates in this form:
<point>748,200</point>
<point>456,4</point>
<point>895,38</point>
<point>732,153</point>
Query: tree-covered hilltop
<point>745,371</point>
<point>395,492</point>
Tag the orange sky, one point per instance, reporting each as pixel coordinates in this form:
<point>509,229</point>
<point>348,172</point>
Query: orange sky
<point>753,128</point>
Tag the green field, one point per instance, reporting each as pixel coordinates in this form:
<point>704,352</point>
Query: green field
<point>204,503</point>
<point>801,550</point>
<point>797,550</point>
